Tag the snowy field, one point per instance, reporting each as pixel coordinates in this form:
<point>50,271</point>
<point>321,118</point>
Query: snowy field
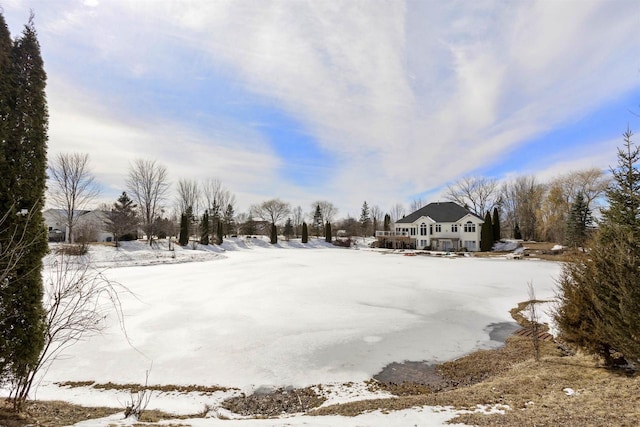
<point>253,316</point>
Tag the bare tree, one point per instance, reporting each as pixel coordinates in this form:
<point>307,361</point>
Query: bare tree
<point>377,217</point>
<point>77,300</point>
<point>327,210</point>
<point>397,212</point>
<point>297,220</point>
<point>188,196</point>
<point>72,187</point>
<point>478,194</point>
<point>417,204</point>
<point>148,184</point>
<point>216,197</point>
<point>520,201</point>
<point>560,195</point>
<point>274,210</point>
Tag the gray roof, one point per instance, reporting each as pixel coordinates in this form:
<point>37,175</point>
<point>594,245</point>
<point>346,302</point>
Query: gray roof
<point>439,212</point>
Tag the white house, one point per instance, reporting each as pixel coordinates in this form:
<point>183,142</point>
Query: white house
<point>89,226</point>
<point>444,226</point>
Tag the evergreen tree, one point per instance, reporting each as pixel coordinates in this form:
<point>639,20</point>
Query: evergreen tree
<point>317,221</point>
<point>23,151</point>
<point>122,218</point>
<point>204,228</point>
<point>288,229</point>
<point>183,237</point>
<point>600,290</point>
<point>327,230</point>
<point>387,222</point>
<point>578,222</point>
<point>486,234</point>
<point>365,218</point>
<point>220,232</point>
<point>516,232</point>
<point>305,233</point>
<point>274,234</point>
<point>229,221</point>
<point>496,225</point>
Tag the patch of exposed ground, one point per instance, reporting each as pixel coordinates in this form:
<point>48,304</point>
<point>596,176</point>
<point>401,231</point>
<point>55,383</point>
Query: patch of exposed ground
<point>275,403</point>
<point>135,388</point>
<point>50,414</point>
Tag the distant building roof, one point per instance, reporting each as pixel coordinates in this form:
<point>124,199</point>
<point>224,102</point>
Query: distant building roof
<point>439,212</point>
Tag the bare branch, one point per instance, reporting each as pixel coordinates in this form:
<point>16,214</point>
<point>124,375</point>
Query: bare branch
<point>72,187</point>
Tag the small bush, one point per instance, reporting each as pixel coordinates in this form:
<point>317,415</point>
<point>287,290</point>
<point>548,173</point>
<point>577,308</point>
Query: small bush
<point>128,237</point>
<point>73,250</point>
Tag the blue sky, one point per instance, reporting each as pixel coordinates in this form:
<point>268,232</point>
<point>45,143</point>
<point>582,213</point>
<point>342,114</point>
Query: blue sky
<point>345,101</point>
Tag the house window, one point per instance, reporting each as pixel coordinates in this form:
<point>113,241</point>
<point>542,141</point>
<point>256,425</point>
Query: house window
<point>469,227</point>
<point>470,245</point>
<point>454,228</point>
<point>423,243</point>
<point>438,228</point>
<point>430,228</point>
<point>423,229</point>
<point>413,231</point>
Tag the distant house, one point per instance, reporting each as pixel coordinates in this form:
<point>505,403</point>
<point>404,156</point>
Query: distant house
<point>443,226</point>
<point>89,227</point>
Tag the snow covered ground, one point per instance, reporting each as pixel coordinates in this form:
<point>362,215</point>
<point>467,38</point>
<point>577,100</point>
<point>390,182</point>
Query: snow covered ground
<point>249,315</point>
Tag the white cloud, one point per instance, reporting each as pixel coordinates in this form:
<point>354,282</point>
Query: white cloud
<point>409,95</point>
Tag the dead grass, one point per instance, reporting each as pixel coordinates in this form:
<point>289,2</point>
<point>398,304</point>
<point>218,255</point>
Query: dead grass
<point>135,388</point>
<point>533,391</point>
<point>51,414</point>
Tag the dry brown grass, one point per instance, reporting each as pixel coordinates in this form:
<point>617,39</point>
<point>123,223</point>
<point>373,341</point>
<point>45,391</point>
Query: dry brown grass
<point>533,391</point>
<point>51,414</point>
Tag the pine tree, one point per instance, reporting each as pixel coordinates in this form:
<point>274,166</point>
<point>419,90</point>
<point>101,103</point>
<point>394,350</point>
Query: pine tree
<point>274,234</point>
<point>600,290</point>
<point>23,151</point>
<point>220,232</point>
<point>305,233</point>
<point>495,224</point>
<point>387,222</point>
<point>288,229</point>
<point>365,218</point>
<point>328,237</point>
<point>122,218</point>
<point>229,221</point>
<point>183,237</point>
<point>317,221</point>
<point>578,222</point>
<point>486,234</point>
<point>204,228</point>
<point>517,234</point>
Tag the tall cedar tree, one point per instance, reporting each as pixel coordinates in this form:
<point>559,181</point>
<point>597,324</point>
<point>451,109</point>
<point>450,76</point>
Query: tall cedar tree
<point>183,237</point>
<point>517,234</point>
<point>288,229</point>
<point>317,221</point>
<point>305,233</point>
<point>495,224</point>
<point>486,234</point>
<point>229,222</point>
<point>327,230</point>
<point>274,234</point>
<point>122,218</point>
<point>204,228</point>
<point>219,232</point>
<point>578,222</point>
<point>365,218</point>
<point>23,159</point>
<point>600,291</point>
<point>387,222</point>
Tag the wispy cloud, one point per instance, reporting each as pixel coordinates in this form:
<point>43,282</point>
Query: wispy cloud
<point>400,97</point>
